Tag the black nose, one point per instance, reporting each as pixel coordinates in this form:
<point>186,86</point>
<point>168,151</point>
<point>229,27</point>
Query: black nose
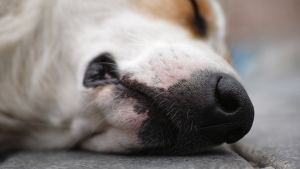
<point>208,109</point>
<point>232,99</point>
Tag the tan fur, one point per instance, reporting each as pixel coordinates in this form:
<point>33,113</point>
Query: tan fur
<point>206,11</point>
<point>176,11</point>
<point>180,12</point>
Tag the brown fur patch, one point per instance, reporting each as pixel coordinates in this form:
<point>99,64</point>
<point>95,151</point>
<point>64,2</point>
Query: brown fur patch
<point>180,12</point>
<point>206,11</point>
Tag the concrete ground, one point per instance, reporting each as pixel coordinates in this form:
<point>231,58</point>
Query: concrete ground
<point>217,158</point>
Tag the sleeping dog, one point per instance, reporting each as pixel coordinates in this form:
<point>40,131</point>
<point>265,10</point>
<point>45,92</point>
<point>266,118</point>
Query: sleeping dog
<point>118,76</point>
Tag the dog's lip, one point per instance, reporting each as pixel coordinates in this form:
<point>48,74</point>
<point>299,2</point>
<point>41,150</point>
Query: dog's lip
<point>213,125</point>
<point>171,150</point>
<point>127,86</point>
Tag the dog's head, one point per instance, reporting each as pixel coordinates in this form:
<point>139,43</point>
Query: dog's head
<point>163,80</point>
<point>156,72</point>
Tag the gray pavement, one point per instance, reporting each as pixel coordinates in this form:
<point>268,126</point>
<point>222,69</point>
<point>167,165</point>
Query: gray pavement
<point>214,159</point>
<point>274,140</point>
<point>275,137</point>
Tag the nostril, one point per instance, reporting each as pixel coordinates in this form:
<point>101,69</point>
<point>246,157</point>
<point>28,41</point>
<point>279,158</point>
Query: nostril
<point>233,107</point>
<point>226,96</point>
<point>234,135</point>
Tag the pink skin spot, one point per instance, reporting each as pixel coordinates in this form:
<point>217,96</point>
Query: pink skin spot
<point>179,67</point>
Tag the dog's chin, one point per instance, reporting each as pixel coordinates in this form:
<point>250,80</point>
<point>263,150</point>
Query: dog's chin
<point>158,134</point>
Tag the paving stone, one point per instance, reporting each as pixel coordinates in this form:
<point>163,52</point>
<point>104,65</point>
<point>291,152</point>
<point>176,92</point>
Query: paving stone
<point>274,140</point>
<point>219,158</point>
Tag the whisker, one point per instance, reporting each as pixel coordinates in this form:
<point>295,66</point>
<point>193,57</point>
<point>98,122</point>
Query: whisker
<point>86,107</point>
<point>93,131</point>
<point>175,114</point>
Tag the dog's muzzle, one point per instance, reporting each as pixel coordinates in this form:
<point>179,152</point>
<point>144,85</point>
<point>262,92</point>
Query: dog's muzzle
<point>206,110</point>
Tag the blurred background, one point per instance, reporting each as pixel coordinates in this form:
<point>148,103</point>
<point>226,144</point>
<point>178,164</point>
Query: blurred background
<point>264,37</point>
<point>264,42</point>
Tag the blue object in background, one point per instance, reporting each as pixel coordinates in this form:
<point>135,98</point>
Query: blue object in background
<point>243,59</point>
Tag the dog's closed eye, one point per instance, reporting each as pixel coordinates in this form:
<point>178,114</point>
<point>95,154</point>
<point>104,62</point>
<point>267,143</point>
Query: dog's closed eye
<point>199,21</point>
<point>101,71</point>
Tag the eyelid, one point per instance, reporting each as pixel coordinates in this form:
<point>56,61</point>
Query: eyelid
<point>199,21</point>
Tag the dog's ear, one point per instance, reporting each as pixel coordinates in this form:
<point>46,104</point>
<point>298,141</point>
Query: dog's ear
<point>210,21</point>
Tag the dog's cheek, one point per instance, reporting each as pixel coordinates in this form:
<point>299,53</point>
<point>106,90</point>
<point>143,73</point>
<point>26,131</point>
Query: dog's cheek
<point>119,112</point>
<point>126,116</point>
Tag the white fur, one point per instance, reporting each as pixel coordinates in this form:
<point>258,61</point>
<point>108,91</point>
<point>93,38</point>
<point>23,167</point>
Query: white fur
<point>45,47</point>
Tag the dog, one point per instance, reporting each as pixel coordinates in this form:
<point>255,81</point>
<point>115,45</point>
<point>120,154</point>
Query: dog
<point>118,76</point>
